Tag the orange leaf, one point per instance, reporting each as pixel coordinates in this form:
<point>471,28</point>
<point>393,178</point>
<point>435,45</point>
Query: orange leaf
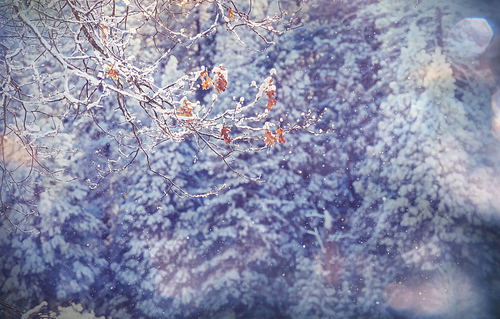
<point>220,83</point>
<point>269,138</point>
<point>270,95</point>
<point>205,80</point>
<point>231,15</point>
<point>279,134</point>
<point>113,73</point>
<point>223,133</point>
<point>185,109</point>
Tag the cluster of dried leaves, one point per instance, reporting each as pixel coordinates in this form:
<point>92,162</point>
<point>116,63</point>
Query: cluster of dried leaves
<point>88,47</point>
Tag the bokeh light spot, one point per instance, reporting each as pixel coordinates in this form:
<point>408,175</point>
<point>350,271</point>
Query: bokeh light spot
<point>495,106</point>
<point>495,103</point>
<point>495,128</point>
<point>449,294</point>
<point>470,37</point>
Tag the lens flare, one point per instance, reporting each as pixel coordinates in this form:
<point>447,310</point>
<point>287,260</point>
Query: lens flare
<point>450,294</point>
<point>495,103</point>
<point>470,37</point>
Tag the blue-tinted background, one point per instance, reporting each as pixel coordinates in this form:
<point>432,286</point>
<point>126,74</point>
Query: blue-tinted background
<point>394,214</point>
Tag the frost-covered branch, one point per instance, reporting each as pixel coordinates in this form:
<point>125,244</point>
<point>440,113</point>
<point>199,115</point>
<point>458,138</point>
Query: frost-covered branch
<point>86,60</point>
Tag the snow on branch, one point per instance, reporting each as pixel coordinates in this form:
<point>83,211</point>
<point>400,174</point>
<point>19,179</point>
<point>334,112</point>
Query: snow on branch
<point>102,61</point>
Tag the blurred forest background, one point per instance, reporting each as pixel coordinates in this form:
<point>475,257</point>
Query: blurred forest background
<point>394,214</point>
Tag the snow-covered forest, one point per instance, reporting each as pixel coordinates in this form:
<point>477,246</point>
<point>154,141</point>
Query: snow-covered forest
<point>118,199</point>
